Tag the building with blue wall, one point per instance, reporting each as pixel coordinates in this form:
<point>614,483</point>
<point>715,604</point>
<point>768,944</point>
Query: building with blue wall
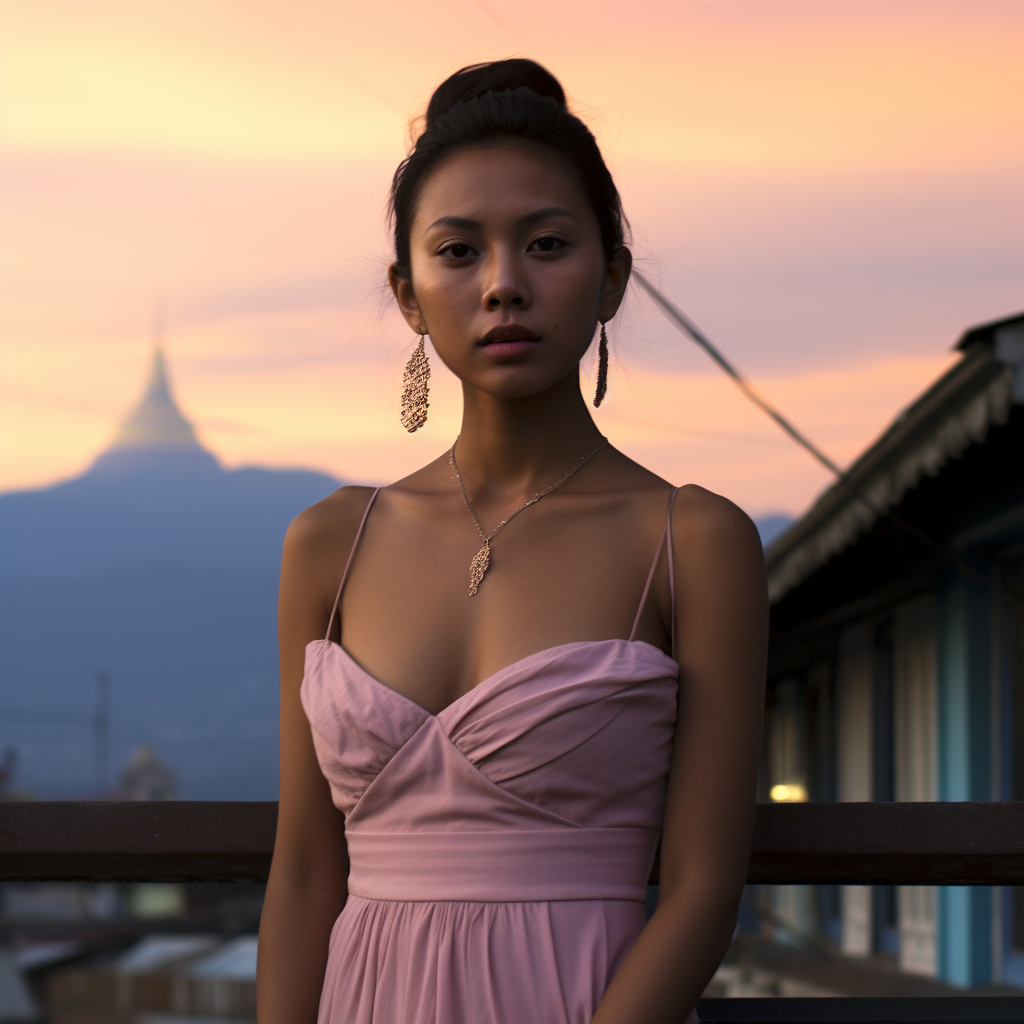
<point>896,666</point>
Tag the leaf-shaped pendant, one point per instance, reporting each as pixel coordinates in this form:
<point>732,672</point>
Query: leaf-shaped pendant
<point>478,567</point>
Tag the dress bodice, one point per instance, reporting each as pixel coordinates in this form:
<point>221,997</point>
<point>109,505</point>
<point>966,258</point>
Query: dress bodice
<point>499,850</point>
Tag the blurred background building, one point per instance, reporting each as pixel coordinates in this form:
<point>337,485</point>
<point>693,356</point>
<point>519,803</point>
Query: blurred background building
<point>897,656</point>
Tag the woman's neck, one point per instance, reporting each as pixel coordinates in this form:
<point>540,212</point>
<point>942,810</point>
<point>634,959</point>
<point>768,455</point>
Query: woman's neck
<point>509,449</point>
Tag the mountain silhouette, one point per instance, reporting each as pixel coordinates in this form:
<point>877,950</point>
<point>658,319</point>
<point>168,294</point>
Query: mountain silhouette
<point>159,566</point>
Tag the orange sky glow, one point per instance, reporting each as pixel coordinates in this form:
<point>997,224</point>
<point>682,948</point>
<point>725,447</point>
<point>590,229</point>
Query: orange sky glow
<point>831,190</point>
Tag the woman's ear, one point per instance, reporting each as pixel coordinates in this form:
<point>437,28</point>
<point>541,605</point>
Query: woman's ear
<point>616,277</point>
<point>401,287</point>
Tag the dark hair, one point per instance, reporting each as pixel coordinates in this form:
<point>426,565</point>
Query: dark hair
<point>504,99</point>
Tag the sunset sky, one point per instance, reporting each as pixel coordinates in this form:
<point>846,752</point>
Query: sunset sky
<point>832,191</point>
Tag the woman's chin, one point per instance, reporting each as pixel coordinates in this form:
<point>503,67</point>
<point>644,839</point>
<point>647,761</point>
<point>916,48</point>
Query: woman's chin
<point>514,387</point>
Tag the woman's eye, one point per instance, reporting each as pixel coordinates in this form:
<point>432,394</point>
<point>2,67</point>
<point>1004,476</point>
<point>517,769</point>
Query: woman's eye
<point>457,250</point>
<point>547,244</point>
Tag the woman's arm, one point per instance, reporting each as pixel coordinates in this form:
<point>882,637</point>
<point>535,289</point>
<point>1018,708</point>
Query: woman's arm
<point>722,635</point>
<point>307,886</point>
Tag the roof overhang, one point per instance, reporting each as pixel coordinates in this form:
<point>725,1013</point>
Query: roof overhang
<point>955,412</point>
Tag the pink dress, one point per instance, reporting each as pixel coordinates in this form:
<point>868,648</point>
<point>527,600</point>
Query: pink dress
<point>500,850</point>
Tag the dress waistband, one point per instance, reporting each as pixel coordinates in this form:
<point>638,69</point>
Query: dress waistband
<point>502,866</point>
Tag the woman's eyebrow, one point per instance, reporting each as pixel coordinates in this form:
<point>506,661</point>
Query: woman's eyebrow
<point>466,224</point>
<point>455,222</point>
<point>548,211</point>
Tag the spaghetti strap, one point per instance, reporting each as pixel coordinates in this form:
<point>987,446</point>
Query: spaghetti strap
<point>666,536</point>
<point>647,587</point>
<point>671,568</point>
<point>348,564</point>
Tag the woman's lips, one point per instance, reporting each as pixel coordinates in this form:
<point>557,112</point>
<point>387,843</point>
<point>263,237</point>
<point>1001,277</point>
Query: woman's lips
<point>508,340</point>
<point>508,348</point>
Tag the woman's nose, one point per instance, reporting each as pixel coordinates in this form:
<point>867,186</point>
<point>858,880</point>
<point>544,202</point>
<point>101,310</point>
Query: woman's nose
<point>506,287</point>
<point>495,301</point>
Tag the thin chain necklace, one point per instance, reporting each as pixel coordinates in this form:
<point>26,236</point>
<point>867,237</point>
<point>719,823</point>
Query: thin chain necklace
<point>482,559</point>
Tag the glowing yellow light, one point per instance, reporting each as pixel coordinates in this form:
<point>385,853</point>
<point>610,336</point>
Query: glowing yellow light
<point>788,793</point>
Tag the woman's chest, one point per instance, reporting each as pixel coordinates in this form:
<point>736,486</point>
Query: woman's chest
<point>408,617</point>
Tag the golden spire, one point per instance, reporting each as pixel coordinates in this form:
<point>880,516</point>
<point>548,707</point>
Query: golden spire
<point>155,434</point>
<point>156,422</point>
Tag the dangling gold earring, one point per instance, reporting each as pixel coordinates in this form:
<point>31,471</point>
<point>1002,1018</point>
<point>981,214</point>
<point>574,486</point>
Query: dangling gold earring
<point>602,368</point>
<point>414,389</point>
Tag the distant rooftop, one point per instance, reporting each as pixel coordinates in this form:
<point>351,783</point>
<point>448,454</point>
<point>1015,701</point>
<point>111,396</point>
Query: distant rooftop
<point>954,413</point>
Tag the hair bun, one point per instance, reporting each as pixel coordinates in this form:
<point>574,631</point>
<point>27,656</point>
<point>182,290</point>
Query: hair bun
<point>493,76</point>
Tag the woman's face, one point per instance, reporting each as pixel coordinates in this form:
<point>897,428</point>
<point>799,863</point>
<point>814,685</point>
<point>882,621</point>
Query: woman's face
<point>509,277</point>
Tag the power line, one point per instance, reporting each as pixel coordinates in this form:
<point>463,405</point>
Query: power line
<point>682,321</point>
<point>688,326</point>
<point>99,722</point>
<point>50,717</point>
<point>101,729</point>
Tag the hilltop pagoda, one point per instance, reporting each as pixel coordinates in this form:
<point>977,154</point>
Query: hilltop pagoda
<point>155,434</point>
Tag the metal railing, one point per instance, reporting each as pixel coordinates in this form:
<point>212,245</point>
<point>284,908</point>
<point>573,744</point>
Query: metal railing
<point>196,841</point>
<point>853,843</point>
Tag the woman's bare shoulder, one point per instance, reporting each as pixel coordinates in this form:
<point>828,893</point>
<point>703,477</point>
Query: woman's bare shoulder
<point>327,528</point>
<point>706,525</point>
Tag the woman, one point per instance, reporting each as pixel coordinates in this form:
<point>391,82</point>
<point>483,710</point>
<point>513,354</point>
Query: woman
<point>505,675</point>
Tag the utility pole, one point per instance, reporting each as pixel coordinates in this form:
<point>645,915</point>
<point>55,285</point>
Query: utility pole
<point>101,729</point>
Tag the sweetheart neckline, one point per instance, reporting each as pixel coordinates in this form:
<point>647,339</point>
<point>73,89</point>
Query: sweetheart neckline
<point>487,679</point>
